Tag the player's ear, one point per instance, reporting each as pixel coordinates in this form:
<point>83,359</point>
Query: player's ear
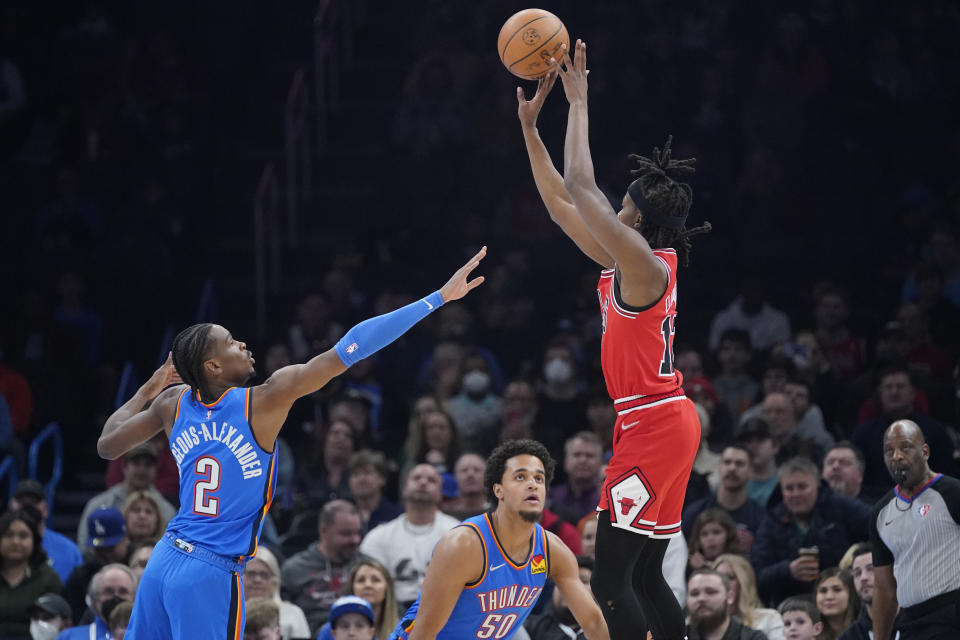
<point>212,367</point>
<point>498,490</point>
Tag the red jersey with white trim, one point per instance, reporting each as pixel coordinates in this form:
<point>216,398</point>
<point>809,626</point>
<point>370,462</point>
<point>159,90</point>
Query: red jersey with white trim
<point>636,352</point>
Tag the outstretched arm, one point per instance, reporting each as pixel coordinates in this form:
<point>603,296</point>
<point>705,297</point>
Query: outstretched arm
<point>549,181</point>
<point>565,573</point>
<point>273,399</point>
<point>131,425</point>
<point>642,271</point>
<point>456,562</point>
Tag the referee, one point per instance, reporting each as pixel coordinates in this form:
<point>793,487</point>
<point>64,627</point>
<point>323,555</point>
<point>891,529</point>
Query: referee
<point>915,530</point>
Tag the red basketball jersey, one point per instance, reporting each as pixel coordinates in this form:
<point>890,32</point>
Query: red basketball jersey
<point>637,348</point>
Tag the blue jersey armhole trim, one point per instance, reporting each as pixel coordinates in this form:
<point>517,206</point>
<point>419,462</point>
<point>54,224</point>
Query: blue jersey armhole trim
<point>248,412</point>
<point>483,546</point>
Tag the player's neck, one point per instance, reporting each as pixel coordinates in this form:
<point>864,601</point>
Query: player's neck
<point>513,532</point>
<point>213,392</point>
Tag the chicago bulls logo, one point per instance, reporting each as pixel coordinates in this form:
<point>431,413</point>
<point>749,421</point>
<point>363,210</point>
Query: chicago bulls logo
<point>625,505</point>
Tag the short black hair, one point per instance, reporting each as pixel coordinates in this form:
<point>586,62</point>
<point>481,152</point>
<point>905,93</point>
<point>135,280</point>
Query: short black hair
<point>737,336</point>
<point>29,516</point>
<point>497,462</point>
<point>895,370</point>
<point>857,453</point>
<point>801,604</point>
<point>189,351</point>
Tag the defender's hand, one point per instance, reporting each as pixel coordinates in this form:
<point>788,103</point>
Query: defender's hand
<point>458,285</point>
<point>528,110</point>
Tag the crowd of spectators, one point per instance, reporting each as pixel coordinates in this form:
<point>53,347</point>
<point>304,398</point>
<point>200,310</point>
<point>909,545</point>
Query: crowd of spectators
<point>823,307</point>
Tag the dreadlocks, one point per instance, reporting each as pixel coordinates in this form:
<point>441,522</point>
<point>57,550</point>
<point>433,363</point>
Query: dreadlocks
<point>189,351</point>
<point>671,198</point>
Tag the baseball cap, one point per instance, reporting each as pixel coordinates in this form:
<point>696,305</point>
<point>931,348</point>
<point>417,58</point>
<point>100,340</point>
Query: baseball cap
<point>755,429</point>
<point>144,450</point>
<point>350,604</point>
<point>700,385</point>
<point>105,527</point>
<point>53,604</point>
<point>30,488</point>
<point>451,489</point>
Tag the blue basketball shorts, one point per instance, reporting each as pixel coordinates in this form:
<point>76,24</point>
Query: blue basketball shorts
<point>187,592</point>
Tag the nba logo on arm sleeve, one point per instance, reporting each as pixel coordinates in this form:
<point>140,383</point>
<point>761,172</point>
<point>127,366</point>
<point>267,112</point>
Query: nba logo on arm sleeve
<point>353,347</point>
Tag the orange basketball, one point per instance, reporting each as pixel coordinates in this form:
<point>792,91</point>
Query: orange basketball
<point>528,40</point>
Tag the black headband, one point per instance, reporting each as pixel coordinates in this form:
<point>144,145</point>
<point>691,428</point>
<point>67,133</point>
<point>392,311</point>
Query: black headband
<point>651,212</point>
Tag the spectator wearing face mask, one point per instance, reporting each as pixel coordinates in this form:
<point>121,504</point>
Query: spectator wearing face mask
<point>49,615</point>
<point>476,409</point>
<point>562,399</point>
<point>110,586</point>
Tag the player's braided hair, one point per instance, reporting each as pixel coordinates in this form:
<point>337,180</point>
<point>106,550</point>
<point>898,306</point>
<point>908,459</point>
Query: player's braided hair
<point>669,196</point>
<point>189,351</point>
<point>497,462</point>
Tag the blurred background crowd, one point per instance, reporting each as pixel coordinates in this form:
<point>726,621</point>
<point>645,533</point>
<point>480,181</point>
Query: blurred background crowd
<point>823,306</point>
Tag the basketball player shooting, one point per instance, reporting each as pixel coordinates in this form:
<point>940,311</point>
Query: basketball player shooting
<point>657,431</point>
<point>487,572</point>
<point>222,436</point>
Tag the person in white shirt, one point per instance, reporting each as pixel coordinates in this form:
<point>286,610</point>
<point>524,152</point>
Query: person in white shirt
<point>404,545</point>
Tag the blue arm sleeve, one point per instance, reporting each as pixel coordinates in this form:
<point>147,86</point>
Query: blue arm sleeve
<point>371,335</point>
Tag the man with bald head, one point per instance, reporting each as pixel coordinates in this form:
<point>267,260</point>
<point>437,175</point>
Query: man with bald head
<point>915,531</point>
<point>404,544</point>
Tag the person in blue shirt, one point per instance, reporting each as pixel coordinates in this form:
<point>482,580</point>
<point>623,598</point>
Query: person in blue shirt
<point>487,573</point>
<point>62,553</point>
<point>223,435</point>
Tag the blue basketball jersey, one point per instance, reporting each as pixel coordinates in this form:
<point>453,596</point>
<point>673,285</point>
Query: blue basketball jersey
<point>497,604</point>
<point>226,479</point>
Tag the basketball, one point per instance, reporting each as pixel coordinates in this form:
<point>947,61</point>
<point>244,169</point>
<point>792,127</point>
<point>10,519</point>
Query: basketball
<point>528,40</point>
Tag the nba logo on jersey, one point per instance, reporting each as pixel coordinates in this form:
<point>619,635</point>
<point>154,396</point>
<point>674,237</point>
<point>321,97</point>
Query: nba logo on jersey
<point>923,510</point>
<point>538,564</point>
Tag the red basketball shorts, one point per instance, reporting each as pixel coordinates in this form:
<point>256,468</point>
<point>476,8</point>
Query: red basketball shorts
<point>654,445</point>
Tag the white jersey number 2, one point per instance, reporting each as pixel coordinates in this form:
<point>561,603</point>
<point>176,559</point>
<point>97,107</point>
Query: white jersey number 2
<point>205,504</point>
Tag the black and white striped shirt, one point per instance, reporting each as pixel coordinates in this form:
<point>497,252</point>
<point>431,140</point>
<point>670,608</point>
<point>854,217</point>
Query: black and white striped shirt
<point>921,538</point>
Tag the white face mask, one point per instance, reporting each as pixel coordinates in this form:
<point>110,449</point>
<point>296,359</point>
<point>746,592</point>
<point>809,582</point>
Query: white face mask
<point>40,630</point>
<point>557,371</point>
<point>476,382</point>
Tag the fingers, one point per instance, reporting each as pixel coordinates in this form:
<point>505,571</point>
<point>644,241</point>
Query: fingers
<point>520,97</point>
<point>581,55</point>
<point>476,282</point>
<point>567,64</point>
<point>474,262</point>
